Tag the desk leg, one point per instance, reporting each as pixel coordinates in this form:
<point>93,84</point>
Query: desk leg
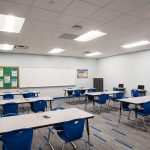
<point>86,101</point>
<point>136,110</point>
<point>88,133</point>
<point>50,105</point>
<point>120,112</point>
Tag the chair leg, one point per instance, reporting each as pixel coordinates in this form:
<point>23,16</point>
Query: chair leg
<point>144,123</point>
<point>129,115</point>
<point>63,145</point>
<point>85,143</point>
<point>74,146</point>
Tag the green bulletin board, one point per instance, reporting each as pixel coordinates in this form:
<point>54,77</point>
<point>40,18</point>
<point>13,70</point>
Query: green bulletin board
<point>9,77</point>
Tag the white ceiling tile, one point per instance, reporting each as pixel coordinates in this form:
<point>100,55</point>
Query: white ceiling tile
<point>105,15</point>
<point>9,8</point>
<point>81,8</point>
<point>124,21</point>
<point>142,12</point>
<point>41,14</point>
<point>68,20</point>
<point>90,24</point>
<point>99,2</point>
<point>58,5</point>
<point>26,2</point>
<point>126,5</point>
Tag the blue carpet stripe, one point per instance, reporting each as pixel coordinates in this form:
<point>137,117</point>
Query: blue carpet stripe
<point>95,129</point>
<point>102,139</point>
<point>112,124</point>
<point>124,144</point>
<point>107,119</point>
<point>119,132</point>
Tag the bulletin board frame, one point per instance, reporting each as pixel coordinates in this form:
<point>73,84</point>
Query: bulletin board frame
<point>9,77</point>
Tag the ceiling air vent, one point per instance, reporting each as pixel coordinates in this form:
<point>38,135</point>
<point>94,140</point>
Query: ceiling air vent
<point>21,47</point>
<point>68,36</point>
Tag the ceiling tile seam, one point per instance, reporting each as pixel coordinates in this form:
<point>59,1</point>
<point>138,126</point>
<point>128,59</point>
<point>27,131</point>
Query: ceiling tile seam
<point>60,13</point>
<point>99,5</point>
<point>15,2</point>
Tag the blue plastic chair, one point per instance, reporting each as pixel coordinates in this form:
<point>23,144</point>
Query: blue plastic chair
<point>125,107</point>
<point>29,95</point>
<point>91,90</point>
<point>58,127</point>
<point>115,89</point>
<point>119,95</point>
<point>135,93</point>
<point>72,131</point>
<point>8,96</point>
<point>10,109</point>
<point>145,111</point>
<point>17,140</point>
<point>102,100</point>
<point>38,106</point>
<point>77,94</point>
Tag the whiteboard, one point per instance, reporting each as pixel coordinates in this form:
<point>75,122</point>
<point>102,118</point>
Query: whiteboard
<point>45,77</point>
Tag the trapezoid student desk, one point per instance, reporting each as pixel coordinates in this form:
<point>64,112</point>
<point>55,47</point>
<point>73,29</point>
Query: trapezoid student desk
<point>135,101</point>
<point>38,120</point>
<point>98,94</point>
<point>27,100</point>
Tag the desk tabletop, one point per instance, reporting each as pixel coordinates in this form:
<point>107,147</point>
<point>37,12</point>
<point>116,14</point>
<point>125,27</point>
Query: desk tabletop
<point>104,92</point>
<point>38,120</point>
<point>27,100</point>
<point>80,88</point>
<point>136,100</point>
<point>18,92</point>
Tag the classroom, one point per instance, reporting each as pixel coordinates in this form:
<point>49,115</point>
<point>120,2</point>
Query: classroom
<point>74,74</point>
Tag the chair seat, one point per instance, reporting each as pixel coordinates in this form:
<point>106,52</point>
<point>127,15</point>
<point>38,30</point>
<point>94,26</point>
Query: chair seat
<point>141,112</point>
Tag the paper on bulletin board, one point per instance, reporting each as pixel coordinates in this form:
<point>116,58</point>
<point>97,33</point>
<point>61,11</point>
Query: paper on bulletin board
<point>14,82</point>
<point>14,73</point>
<point>1,83</point>
<point>7,79</point>
<point>1,72</point>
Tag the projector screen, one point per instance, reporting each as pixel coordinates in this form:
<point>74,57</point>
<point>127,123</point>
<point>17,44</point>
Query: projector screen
<point>45,77</point>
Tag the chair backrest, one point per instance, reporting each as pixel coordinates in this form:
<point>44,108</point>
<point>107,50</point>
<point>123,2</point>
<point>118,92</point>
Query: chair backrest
<point>38,106</point>
<point>135,93</point>
<point>91,90</point>
<point>18,140</point>
<point>146,107</point>
<point>8,96</point>
<point>119,95</point>
<point>103,98</point>
<point>10,108</point>
<point>83,91</point>
<point>29,95</point>
<point>77,93</point>
<point>58,108</point>
<point>125,105</point>
<point>74,129</point>
<point>115,89</point>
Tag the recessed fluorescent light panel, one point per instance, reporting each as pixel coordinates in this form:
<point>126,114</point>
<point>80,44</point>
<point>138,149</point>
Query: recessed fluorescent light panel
<point>93,54</point>
<point>136,44</point>
<point>90,36</point>
<point>6,47</point>
<point>56,50</point>
<point>10,23</point>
